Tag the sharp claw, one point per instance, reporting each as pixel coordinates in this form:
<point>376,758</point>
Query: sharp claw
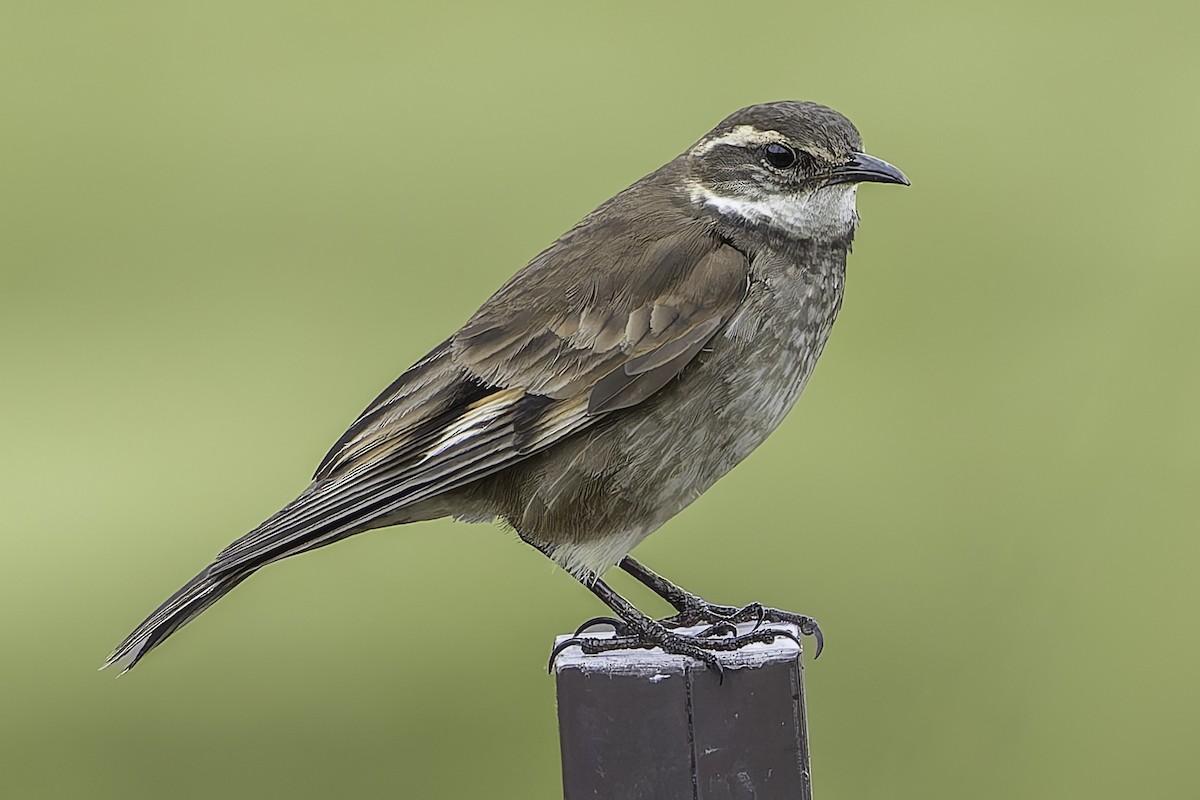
<point>786,634</point>
<point>820,641</point>
<point>558,648</point>
<point>713,665</point>
<point>760,614</point>
<point>613,621</point>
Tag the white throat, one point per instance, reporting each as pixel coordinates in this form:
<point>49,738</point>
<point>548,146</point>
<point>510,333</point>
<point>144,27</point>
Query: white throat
<point>827,211</point>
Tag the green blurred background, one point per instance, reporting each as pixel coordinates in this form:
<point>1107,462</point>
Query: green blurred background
<point>225,226</point>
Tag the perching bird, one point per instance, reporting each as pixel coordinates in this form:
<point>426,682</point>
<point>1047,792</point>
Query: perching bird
<point>610,382</point>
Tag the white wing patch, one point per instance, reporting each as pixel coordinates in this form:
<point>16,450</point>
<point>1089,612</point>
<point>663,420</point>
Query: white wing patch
<point>474,421</point>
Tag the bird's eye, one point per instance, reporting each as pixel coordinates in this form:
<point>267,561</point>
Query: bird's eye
<point>779,155</point>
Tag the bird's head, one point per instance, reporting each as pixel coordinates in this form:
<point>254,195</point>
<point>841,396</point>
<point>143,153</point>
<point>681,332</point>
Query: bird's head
<point>790,166</point>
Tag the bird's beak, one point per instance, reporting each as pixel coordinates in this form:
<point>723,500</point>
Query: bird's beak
<point>862,168</point>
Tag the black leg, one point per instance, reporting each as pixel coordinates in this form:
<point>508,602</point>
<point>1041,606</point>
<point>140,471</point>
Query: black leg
<point>693,610</point>
<point>640,632</point>
<point>679,599</point>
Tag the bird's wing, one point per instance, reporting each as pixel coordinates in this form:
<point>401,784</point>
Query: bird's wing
<point>542,359</point>
<point>635,313</point>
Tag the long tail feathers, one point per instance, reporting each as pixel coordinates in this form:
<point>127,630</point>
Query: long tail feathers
<point>377,470</point>
<point>196,595</point>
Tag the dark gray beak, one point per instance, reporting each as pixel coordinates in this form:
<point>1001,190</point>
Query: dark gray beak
<point>862,168</point>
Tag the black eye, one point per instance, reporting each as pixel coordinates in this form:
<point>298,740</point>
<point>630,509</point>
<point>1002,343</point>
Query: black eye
<point>779,156</point>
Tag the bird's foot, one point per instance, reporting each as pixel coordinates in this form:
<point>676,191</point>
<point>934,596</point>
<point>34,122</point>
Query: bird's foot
<point>721,636</point>
<point>697,611</point>
<point>621,628</point>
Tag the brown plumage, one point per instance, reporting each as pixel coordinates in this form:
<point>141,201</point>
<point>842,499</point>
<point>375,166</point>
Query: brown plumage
<point>610,381</point>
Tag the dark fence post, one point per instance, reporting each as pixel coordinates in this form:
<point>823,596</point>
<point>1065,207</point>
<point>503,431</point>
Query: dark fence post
<point>643,725</point>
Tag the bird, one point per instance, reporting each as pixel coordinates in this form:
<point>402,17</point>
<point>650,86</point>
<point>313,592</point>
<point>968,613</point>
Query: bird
<point>608,383</point>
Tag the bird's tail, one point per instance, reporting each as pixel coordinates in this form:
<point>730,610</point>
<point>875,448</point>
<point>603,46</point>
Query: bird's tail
<point>180,608</point>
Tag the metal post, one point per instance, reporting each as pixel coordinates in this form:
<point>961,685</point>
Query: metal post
<point>643,725</point>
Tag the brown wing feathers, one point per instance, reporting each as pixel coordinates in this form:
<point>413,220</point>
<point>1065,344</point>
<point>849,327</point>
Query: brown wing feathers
<point>633,298</point>
<point>531,366</point>
<point>464,445</point>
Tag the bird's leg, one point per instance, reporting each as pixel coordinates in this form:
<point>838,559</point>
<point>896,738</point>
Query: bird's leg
<point>640,632</point>
<point>693,610</point>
